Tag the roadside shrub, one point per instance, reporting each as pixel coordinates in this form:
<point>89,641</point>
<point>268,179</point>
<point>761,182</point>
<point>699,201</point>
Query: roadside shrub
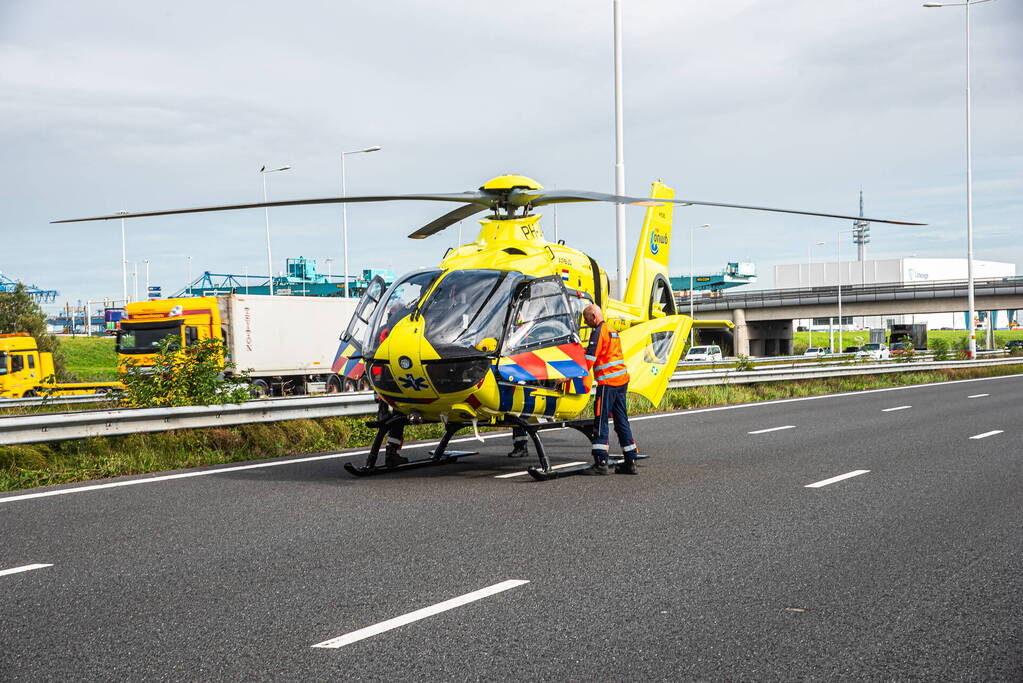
<point>743,363</point>
<point>184,377</point>
<point>962,347</point>
<point>941,348</point>
<point>1016,351</point>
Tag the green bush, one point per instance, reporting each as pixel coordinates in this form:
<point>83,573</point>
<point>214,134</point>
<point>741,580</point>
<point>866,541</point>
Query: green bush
<point>940,348</point>
<point>743,363</point>
<point>184,377</point>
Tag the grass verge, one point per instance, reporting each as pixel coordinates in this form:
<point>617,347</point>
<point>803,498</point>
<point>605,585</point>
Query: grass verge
<point>33,465</point>
<point>90,359</point>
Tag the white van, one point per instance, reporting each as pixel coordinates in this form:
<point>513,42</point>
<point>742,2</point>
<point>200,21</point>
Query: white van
<point>703,353</point>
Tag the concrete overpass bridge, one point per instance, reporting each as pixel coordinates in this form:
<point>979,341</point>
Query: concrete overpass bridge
<point>763,319</point>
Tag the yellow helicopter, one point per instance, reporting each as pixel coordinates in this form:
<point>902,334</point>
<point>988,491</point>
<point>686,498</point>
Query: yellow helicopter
<point>491,335</point>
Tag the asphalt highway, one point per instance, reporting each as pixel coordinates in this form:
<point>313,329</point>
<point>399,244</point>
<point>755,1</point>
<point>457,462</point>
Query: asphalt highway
<point>719,562</point>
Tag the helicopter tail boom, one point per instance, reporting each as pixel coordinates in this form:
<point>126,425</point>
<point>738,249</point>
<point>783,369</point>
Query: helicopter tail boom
<point>651,259</point>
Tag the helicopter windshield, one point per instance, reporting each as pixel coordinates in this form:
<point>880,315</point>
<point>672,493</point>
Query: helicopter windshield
<point>400,300</point>
<point>542,317</point>
<point>467,310</point>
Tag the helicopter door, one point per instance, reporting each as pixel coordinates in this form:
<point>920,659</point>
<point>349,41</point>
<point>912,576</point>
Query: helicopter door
<point>652,351</point>
<point>353,339</point>
<point>541,342</point>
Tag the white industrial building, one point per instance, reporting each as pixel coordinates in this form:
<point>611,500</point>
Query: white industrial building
<point>911,270</point>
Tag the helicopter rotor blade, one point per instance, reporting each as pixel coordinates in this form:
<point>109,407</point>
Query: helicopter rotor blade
<point>535,198</point>
<point>475,197</point>
<point>448,219</point>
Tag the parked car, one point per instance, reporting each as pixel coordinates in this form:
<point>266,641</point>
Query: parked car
<point>875,352</point>
<point>1014,344</point>
<point>704,353</point>
<point>816,351</point>
<point>851,349</point>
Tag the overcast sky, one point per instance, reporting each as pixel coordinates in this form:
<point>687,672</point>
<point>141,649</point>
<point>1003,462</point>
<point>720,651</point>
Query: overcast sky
<point>113,104</point>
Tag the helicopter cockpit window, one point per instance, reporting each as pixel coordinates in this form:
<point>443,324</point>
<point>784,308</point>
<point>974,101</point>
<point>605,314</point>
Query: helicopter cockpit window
<point>359,324</point>
<point>541,317</point>
<point>466,311</point>
<point>399,301</point>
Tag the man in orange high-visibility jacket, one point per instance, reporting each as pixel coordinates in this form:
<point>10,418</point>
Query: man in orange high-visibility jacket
<point>604,356</point>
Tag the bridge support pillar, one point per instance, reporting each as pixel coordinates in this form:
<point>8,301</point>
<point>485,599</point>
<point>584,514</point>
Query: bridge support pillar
<point>740,334</point>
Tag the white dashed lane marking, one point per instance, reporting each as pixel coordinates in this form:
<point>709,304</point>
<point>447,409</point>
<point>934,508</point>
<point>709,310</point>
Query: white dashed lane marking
<point>524,472</point>
<point>25,568</point>
<point>987,434</point>
<point>384,626</point>
<point>978,396</point>
<point>892,410</point>
<point>772,429</point>
<point>825,482</point>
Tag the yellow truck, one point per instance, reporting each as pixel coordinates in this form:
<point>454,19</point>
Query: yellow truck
<point>286,344</point>
<point>25,371</point>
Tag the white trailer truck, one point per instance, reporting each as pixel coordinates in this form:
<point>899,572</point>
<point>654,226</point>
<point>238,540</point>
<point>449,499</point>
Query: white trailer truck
<point>286,344</point>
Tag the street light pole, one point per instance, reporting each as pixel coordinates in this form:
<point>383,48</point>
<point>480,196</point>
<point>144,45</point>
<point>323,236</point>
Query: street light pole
<point>146,261</point>
<point>124,262</point>
<point>692,283</point>
<point>809,281</point>
<point>188,275</point>
<point>838,264</point>
<point>619,148</point>
<point>266,210</point>
<point>972,333</point>
<point>344,206</point>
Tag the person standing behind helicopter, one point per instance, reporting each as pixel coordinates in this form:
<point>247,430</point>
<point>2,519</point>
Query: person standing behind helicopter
<point>604,356</point>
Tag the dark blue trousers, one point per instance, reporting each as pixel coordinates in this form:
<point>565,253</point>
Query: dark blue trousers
<point>610,402</point>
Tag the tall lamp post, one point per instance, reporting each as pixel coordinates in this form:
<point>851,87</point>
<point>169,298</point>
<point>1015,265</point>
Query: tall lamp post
<point>266,209</point>
<point>969,178</point>
<point>809,283</point>
<point>124,262</point>
<point>838,268</point>
<point>692,281</point>
<point>344,206</point>
<point>619,148</point>
<point>146,261</point>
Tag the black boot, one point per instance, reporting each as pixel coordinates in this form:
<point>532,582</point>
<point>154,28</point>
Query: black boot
<point>599,466</point>
<point>628,466</point>
<point>519,450</point>
<point>392,458</point>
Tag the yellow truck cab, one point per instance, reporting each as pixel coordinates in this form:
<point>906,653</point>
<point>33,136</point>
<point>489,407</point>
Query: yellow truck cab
<point>185,321</point>
<point>25,371</point>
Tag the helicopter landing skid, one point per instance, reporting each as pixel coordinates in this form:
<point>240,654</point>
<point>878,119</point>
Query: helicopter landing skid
<point>554,473</point>
<point>545,472</point>
<point>445,459</point>
<point>439,456</point>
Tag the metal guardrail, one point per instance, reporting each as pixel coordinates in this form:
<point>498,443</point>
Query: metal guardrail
<point>93,423</point>
<point>717,366</point>
<point>847,369</point>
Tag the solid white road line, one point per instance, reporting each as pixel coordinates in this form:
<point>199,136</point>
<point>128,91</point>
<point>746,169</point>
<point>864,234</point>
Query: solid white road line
<point>978,396</point>
<point>220,470</point>
<point>383,626</point>
<point>847,475</point>
<point>987,434</point>
<point>772,429</point>
<point>555,467</point>
<point>892,410</point>
<point>26,568</point>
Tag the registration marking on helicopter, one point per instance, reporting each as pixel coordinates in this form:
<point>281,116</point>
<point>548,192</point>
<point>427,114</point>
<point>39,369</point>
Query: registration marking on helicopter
<point>525,472</point>
<point>383,626</point>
